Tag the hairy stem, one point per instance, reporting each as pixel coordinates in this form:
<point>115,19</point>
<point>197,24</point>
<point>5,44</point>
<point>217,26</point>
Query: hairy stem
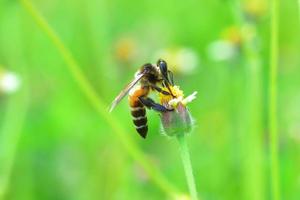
<point>187,165</point>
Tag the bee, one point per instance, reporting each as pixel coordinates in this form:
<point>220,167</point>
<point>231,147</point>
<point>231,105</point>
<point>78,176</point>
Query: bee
<point>148,78</point>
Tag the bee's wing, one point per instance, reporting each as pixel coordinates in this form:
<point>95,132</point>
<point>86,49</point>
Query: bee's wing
<point>125,91</point>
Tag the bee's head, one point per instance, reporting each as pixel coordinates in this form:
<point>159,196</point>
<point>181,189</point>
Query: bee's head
<point>151,73</point>
<point>148,68</point>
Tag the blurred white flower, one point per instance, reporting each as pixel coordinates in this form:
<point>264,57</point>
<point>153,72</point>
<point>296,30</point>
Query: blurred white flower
<point>227,46</point>
<point>180,60</point>
<point>9,82</point>
<point>222,50</point>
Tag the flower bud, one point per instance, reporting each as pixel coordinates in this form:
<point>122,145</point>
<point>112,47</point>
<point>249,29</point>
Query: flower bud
<point>178,121</point>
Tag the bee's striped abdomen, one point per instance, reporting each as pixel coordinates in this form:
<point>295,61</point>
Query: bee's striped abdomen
<point>140,119</point>
<point>138,111</point>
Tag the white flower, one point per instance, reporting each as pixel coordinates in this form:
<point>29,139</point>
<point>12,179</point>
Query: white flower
<point>9,82</point>
<point>222,50</point>
<point>174,102</point>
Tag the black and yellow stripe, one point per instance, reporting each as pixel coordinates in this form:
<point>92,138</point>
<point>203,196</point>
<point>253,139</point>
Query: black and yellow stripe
<point>138,110</point>
<point>138,113</point>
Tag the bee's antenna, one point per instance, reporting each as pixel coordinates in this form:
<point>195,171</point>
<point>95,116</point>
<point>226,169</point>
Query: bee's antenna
<point>165,72</point>
<point>171,77</point>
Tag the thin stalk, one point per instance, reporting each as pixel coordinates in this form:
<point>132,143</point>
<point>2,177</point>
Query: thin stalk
<point>15,112</point>
<point>187,165</point>
<point>275,183</point>
<point>98,104</point>
<point>299,10</point>
<point>9,137</point>
<point>253,159</point>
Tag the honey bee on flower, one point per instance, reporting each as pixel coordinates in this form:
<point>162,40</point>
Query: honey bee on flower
<point>159,79</point>
<point>150,77</point>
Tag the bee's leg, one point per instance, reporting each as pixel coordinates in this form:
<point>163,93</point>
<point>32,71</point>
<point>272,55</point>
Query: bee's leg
<point>167,85</point>
<point>158,89</point>
<point>150,104</point>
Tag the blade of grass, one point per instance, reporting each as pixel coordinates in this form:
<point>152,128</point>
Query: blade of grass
<point>299,10</point>
<point>272,115</point>
<point>10,135</point>
<point>17,103</point>
<point>98,104</point>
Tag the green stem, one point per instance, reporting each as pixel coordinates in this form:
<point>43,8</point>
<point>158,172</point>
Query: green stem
<point>9,137</point>
<point>98,104</point>
<point>299,10</point>
<point>275,188</point>
<point>185,157</point>
<point>16,109</point>
<point>253,159</point>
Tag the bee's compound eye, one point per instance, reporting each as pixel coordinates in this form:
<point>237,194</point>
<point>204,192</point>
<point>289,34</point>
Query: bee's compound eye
<point>162,66</point>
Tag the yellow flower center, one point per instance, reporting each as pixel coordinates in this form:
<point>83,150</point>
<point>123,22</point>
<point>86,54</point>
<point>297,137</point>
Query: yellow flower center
<point>165,99</point>
<point>178,97</point>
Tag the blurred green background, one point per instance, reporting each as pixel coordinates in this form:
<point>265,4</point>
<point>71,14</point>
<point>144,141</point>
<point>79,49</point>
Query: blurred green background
<point>55,145</point>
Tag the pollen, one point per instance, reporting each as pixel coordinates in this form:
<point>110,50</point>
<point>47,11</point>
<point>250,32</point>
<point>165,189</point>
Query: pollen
<point>178,97</point>
<point>175,90</point>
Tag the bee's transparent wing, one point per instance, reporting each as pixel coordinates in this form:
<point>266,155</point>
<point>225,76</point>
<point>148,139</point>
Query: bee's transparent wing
<point>125,91</point>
